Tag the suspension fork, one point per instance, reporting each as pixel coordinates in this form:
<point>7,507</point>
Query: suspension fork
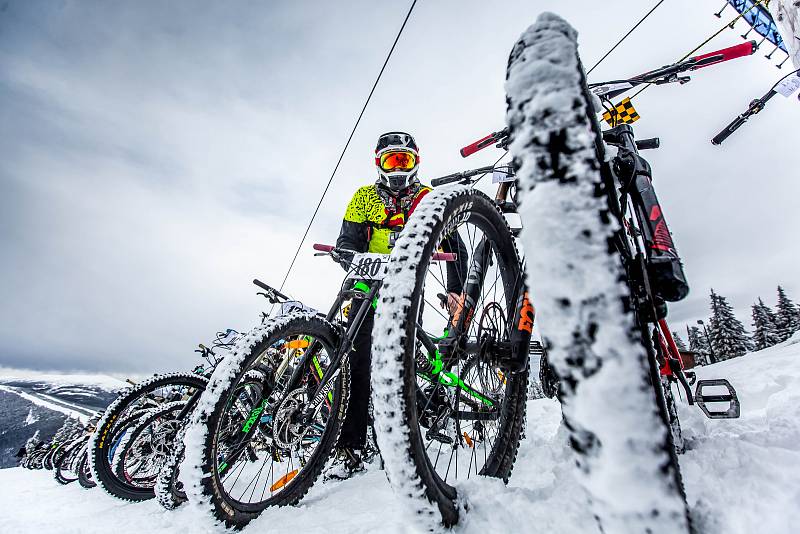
<point>465,311</point>
<point>327,380</point>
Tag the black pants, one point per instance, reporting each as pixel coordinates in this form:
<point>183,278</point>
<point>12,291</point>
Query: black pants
<point>354,429</point>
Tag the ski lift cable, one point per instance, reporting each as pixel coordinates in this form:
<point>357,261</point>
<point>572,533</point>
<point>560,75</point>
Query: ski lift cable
<point>347,144</point>
<point>701,45</point>
<point>625,36</point>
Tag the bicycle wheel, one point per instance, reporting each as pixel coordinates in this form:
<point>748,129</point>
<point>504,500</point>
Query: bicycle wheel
<point>254,448</point>
<point>65,470</point>
<point>610,389</point>
<point>168,487</point>
<point>672,416</point>
<point>437,428</point>
<point>84,473</point>
<point>122,415</point>
<point>147,446</point>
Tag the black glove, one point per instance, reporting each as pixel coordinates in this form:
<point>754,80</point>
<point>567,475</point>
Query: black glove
<point>343,257</point>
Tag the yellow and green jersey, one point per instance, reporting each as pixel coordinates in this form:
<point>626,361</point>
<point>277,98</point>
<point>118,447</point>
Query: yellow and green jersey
<point>374,217</point>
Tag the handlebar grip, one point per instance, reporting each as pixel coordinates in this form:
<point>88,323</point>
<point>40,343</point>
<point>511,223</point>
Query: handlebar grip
<point>726,54</point>
<point>323,248</point>
<point>450,178</point>
<point>477,145</point>
<point>728,130</point>
<point>444,256</point>
<point>269,290</point>
<point>648,144</point>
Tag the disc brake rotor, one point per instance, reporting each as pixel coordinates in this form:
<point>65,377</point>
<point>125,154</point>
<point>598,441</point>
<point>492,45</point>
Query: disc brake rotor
<point>285,431</point>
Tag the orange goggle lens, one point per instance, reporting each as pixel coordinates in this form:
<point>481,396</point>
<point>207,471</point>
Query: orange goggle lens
<point>397,160</point>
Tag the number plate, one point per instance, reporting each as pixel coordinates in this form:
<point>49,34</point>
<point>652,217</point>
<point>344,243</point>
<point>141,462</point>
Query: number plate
<point>294,306</point>
<point>503,174</point>
<point>368,266</point>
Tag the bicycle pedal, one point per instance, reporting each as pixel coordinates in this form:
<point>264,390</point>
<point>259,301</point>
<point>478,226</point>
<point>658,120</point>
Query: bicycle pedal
<point>701,399</point>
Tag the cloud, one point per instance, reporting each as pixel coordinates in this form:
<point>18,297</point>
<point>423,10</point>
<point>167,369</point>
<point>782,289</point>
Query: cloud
<point>157,156</point>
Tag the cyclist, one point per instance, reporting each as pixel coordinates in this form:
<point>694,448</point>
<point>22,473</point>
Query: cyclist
<point>372,221</point>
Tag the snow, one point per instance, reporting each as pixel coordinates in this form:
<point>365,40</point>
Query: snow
<point>742,474</point>
<point>741,477</point>
<point>787,17</point>
<point>41,400</point>
<point>577,292</point>
<point>24,375</point>
<point>31,418</point>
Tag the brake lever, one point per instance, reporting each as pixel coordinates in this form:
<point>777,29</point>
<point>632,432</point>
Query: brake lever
<point>672,78</point>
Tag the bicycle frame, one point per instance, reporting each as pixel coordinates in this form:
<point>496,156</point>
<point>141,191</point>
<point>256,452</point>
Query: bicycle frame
<point>308,364</point>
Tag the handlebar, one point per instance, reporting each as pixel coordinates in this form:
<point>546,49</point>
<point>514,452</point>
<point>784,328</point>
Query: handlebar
<point>459,176</point>
<point>480,144</point>
<point>437,256</point>
<point>729,129</point>
<point>669,73</point>
<point>271,293</point>
<point>755,107</point>
<point>726,54</point>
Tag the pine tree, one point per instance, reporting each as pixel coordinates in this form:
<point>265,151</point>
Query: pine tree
<point>787,317</point>
<point>678,341</point>
<point>728,336</point>
<point>699,345</point>
<point>765,332</point>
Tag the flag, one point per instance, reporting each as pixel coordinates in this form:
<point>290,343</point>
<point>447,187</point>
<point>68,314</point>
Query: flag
<point>623,113</point>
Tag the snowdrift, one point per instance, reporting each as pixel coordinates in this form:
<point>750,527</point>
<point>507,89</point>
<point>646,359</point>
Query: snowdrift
<point>741,477</point>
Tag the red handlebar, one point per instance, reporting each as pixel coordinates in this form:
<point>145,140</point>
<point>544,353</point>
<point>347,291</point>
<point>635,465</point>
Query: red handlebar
<point>726,54</point>
<point>477,145</point>
<point>323,248</point>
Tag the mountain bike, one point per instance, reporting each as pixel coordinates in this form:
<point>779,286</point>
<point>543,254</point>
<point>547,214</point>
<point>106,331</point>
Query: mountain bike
<point>264,443</point>
<point>609,342</point>
<point>169,490</point>
<point>587,198</point>
<point>449,385</point>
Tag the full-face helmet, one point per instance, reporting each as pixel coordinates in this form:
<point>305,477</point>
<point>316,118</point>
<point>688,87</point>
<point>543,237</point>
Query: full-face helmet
<point>397,160</point>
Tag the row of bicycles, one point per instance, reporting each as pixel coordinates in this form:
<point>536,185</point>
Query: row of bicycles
<point>66,454</point>
<point>574,227</point>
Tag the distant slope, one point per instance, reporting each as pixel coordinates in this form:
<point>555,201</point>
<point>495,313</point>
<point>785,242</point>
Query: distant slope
<point>36,403</point>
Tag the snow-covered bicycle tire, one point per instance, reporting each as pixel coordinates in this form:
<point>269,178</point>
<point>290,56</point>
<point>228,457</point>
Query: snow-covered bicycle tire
<point>201,483</point>
<point>103,439</point>
<point>84,473</point>
<point>610,392</point>
<point>430,501</point>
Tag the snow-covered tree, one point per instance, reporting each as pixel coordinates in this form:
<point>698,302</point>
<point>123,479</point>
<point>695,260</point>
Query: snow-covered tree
<point>764,329</point>
<point>728,336</point>
<point>678,341</point>
<point>699,345</point>
<point>787,316</point>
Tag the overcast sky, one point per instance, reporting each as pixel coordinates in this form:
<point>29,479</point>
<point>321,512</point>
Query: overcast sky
<point>157,156</point>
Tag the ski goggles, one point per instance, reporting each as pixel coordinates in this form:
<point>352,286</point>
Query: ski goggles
<point>396,160</point>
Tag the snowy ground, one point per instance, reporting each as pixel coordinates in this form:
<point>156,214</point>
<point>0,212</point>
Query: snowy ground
<point>742,476</point>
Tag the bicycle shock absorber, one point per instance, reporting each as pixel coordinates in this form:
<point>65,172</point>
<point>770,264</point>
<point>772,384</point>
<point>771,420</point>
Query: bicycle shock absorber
<point>423,363</point>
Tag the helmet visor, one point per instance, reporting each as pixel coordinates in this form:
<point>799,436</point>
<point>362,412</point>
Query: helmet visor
<point>397,160</point>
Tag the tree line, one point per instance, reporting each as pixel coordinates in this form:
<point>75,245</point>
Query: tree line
<point>722,336</point>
